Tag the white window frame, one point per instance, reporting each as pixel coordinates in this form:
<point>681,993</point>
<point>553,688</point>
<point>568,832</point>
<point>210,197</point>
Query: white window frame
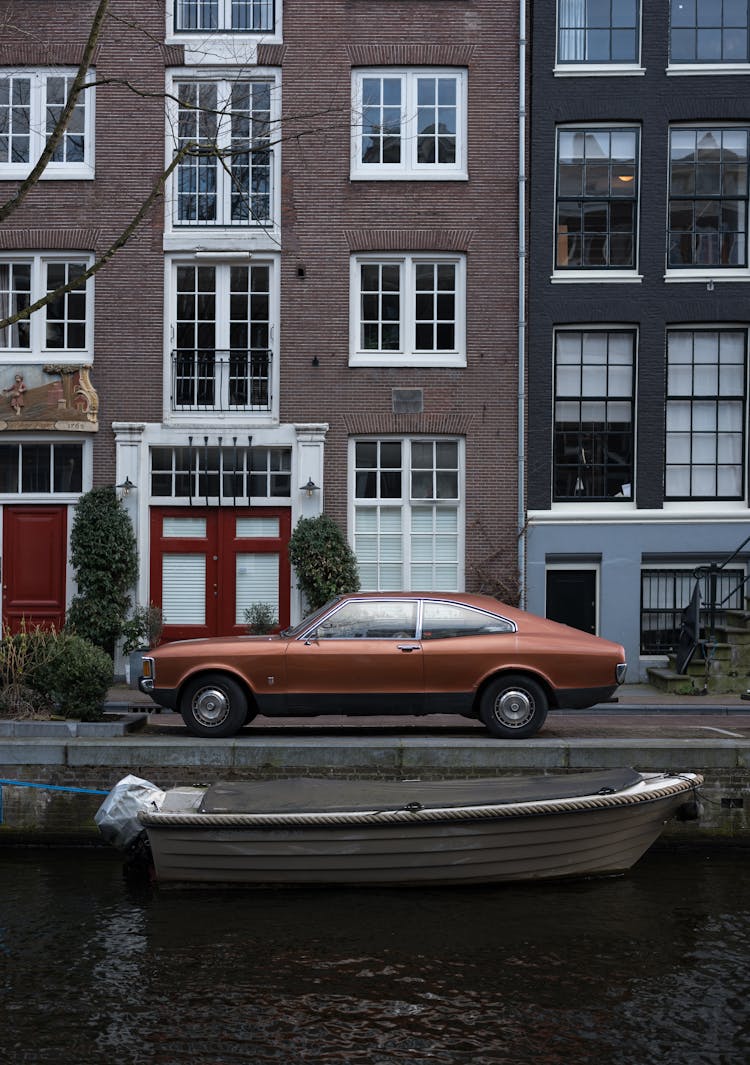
<point>38,350</point>
<point>406,504</point>
<point>408,168</point>
<point>54,171</point>
<point>223,234</point>
<point>221,45</point>
<point>406,354</point>
<point>223,263</point>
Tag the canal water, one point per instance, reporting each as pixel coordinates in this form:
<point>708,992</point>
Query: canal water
<point>650,968</point>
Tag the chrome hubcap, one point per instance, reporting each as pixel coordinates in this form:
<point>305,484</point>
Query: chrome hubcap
<point>514,708</point>
<point>210,706</point>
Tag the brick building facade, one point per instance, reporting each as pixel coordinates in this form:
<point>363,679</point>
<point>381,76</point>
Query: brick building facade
<point>325,296</point>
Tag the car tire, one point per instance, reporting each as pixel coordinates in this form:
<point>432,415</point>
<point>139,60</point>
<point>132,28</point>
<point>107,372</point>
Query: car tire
<point>213,705</point>
<point>513,707</point>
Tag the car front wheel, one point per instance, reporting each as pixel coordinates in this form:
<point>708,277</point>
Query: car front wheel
<point>214,705</point>
<point>513,707</point>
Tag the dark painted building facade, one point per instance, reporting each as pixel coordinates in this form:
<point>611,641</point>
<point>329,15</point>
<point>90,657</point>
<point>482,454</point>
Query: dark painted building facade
<point>638,312</point>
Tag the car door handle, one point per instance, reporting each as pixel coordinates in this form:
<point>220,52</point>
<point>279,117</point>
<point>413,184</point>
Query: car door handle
<point>408,647</point>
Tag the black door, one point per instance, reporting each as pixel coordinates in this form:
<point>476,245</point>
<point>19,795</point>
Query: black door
<point>571,597</point>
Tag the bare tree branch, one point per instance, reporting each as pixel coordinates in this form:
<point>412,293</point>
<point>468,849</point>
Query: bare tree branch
<point>112,250</point>
<point>76,88</point>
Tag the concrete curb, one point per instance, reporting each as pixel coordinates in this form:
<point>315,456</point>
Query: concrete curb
<point>73,729</point>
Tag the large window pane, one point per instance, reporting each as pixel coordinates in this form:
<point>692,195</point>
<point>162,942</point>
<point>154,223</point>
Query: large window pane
<point>708,185</point>
<point>598,31</point>
<point>413,539</point>
<point>593,448</point>
<point>705,414</point>
<point>709,31</point>
<point>597,195</point>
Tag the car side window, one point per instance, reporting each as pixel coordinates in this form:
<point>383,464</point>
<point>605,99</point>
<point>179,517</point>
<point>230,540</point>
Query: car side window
<point>395,620</point>
<point>444,621</point>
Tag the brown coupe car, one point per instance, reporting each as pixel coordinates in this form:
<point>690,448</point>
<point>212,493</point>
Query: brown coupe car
<point>380,653</point>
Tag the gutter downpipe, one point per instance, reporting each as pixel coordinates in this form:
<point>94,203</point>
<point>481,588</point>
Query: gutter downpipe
<point>522,303</point>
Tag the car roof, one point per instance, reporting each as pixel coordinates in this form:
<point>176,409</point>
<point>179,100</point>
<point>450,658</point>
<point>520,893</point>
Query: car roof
<point>475,599</point>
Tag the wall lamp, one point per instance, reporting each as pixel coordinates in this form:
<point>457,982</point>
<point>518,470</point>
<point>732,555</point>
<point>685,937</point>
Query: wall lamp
<point>126,487</point>
<point>310,487</point>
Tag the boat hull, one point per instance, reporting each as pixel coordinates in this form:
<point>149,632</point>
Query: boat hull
<point>600,835</point>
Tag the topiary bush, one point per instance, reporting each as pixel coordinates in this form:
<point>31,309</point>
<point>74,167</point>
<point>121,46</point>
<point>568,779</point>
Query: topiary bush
<point>105,559</point>
<point>324,562</point>
<point>76,677</point>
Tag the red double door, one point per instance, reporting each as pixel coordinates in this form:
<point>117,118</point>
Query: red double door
<point>209,565</point>
<point>34,565</point>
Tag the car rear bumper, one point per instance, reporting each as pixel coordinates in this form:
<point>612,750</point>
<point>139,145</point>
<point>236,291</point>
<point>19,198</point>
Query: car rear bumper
<point>581,698</point>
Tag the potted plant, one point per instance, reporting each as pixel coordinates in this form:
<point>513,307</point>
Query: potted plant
<point>260,619</point>
<point>141,632</point>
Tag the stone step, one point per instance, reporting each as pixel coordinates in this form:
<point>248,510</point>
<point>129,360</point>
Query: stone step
<point>666,680</point>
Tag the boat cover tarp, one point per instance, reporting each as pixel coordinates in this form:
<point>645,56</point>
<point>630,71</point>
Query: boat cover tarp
<point>321,795</point>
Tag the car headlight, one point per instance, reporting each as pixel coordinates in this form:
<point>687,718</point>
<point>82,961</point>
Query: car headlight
<point>620,671</point>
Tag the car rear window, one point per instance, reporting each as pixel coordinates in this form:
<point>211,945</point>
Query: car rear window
<point>443,621</point>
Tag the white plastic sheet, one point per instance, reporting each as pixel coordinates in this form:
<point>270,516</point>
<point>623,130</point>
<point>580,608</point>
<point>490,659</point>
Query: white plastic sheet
<point>117,817</point>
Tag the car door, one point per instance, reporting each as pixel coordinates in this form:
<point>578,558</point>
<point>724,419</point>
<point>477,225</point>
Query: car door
<point>461,646</point>
<point>362,658</point>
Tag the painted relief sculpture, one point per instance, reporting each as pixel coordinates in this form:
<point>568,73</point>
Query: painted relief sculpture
<point>48,398</point>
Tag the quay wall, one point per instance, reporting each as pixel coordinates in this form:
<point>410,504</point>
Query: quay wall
<point>76,773</point>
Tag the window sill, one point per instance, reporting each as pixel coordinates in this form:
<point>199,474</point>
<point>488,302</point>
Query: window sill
<point>598,70</point>
<point>20,357</point>
<point>706,276</point>
<point>596,277</point>
<point>381,174</point>
<point>711,69</point>
<point>403,361</point>
<point>79,172</point>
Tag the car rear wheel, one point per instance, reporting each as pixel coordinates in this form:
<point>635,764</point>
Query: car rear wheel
<point>214,705</point>
<point>513,707</point>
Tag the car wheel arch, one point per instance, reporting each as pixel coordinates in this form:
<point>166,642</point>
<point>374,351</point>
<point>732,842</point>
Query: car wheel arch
<point>220,671</point>
<point>516,671</point>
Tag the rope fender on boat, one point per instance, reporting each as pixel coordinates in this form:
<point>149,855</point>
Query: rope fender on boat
<point>686,783</point>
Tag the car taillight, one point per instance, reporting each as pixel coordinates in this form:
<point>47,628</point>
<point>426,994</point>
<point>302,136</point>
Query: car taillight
<point>620,671</point>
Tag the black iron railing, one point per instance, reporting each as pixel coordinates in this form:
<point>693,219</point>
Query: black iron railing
<point>213,380</point>
<point>682,609</point>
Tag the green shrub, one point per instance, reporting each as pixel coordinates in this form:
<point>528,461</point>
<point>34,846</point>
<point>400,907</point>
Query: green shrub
<point>104,556</point>
<point>22,655</point>
<point>76,677</point>
<point>142,629</point>
<point>325,564</point>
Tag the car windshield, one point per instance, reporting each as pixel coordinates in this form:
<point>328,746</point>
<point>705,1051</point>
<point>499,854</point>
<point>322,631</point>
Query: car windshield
<point>306,623</point>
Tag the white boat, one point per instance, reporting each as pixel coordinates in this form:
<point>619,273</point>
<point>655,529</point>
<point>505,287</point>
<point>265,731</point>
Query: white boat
<point>325,831</point>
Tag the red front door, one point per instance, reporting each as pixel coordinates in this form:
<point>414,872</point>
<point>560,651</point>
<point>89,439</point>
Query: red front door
<point>209,565</point>
<point>34,550</point>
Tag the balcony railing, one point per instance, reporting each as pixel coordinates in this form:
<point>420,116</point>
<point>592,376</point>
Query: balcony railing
<point>236,190</point>
<point>212,380</point>
<point>224,16</point>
